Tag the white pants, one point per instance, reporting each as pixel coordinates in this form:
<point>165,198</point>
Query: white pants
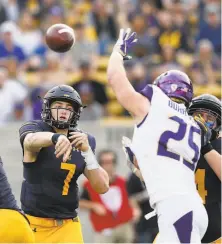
<point>181,219</point>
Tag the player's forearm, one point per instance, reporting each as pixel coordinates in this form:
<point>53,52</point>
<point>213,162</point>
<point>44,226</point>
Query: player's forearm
<point>98,179</point>
<point>213,158</point>
<point>118,80</point>
<point>94,173</point>
<point>115,66</point>
<point>38,140</point>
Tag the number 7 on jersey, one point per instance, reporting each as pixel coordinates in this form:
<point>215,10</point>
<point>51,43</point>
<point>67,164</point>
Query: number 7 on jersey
<point>71,168</point>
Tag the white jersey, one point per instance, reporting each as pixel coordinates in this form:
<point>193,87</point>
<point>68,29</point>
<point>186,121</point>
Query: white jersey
<point>167,146</point>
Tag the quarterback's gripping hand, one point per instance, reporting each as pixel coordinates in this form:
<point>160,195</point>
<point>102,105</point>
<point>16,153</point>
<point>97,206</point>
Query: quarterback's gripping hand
<point>125,41</point>
<point>63,147</point>
<point>205,135</point>
<point>126,143</point>
<point>79,140</point>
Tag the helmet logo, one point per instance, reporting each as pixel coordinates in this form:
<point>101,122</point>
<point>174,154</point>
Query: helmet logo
<point>66,95</point>
<point>173,87</point>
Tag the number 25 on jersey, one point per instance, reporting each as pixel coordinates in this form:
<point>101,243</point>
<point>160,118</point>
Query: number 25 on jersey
<point>178,136</point>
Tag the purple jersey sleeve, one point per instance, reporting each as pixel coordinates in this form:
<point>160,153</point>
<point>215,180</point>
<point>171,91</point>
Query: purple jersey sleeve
<point>147,92</point>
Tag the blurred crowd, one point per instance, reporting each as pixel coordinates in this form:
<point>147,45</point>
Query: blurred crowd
<point>172,34</point>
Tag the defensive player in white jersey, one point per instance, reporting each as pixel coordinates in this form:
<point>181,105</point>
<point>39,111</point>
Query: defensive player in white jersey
<point>166,143</point>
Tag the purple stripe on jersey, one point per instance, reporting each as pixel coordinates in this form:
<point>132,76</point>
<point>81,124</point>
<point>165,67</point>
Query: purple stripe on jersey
<point>147,92</point>
<point>184,226</point>
<point>142,121</point>
<point>189,165</point>
<point>130,153</point>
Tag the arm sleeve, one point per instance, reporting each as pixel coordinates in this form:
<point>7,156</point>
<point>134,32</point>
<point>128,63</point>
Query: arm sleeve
<point>29,127</point>
<point>147,92</point>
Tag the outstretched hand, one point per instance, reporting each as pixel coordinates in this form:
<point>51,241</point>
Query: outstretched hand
<point>125,42</point>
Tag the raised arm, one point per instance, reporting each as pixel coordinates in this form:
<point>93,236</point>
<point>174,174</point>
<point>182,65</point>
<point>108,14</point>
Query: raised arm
<point>134,102</point>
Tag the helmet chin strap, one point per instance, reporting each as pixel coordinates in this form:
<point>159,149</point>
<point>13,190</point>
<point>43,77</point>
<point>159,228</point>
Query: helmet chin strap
<point>60,125</point>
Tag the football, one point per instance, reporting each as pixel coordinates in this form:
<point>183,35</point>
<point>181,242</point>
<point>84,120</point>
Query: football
<point>60,38</point>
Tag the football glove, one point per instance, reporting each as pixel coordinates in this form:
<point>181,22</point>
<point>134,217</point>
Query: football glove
<point>126,143</point>
<point>125,42</point>
<point>205,135</point>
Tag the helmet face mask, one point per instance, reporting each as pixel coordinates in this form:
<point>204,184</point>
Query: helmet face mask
<point>208,105</point>
<point>209,117</point>
<point>61,94</point>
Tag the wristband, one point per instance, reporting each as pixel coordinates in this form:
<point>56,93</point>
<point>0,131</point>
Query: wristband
<point>206,148</point>
<point>90,159</point>
<point>55,137</point>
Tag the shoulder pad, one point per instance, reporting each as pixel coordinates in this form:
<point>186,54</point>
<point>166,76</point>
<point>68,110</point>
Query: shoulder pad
<point>44,126</point>
<point>31,126</point>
